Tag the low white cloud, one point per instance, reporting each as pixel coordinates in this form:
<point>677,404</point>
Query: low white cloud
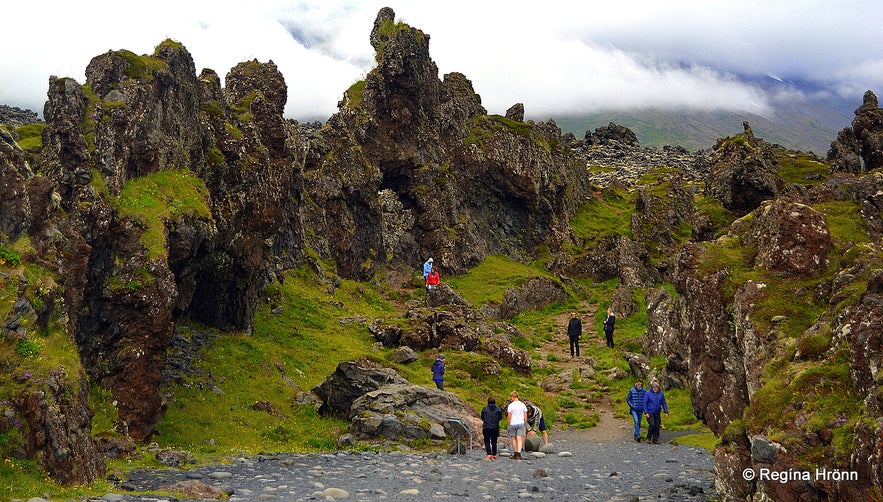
<point>558,56</point>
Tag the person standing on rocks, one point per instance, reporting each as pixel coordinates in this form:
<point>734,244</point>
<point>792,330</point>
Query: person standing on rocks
<point>635,400</point>
<point>490,428</point>
<point>438,371</point>
<point>654,404</point>
<point>426,268</point>
<point>608,326</point>
<point>433,279</point>
<point>574,332</point>
<point>517,424</point>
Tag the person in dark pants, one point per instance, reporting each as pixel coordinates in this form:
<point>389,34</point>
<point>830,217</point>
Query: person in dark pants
<point>574,332</point>
<point>608,327</point>
<point>490,428</point>
<point>438,371</point>
<point>654,404</point>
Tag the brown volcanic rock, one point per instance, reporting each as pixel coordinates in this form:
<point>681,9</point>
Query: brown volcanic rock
<point>720,395</point>
<point>59,425</point>
<point>859,148</point>
<point>791,239</point>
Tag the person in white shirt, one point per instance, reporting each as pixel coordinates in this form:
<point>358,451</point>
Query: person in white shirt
<point>517,425</point>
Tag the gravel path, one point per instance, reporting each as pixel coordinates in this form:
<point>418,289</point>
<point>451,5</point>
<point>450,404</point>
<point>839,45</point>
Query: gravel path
<point>599,464</point>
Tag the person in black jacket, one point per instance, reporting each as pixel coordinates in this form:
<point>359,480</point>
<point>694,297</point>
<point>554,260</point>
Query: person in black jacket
<point>608,327</point>
<point>574,332</point>
<point>490,428</point>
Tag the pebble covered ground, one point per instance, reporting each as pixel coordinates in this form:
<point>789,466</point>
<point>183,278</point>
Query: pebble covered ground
<point>585,465</point>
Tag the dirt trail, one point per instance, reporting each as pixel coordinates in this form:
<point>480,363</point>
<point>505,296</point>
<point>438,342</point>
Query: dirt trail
<point>558,349</point>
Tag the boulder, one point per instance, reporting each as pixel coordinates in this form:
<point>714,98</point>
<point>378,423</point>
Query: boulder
<point>792,239</point>
<point>58,428</point>
<point>405,411</point>
<point>350,381</point>
<point>404,355</point>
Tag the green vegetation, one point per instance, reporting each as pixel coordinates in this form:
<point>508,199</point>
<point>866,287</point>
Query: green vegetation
<point>30,137</point>
<point>355,95</point>
<point>489,281</point>
<point>162,197</point>
<point>141,67</point>
<point>603,216</point>
<point>484,128</point>
<point>801,168</point>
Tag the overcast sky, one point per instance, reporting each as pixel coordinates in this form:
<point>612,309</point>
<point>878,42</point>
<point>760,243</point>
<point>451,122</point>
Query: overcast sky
<point>555,56</point>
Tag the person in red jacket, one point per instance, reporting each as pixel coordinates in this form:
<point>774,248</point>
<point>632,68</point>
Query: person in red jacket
<point>432,279</point>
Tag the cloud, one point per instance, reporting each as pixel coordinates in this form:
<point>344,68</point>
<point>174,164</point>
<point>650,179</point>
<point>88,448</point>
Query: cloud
<point>556,56</point>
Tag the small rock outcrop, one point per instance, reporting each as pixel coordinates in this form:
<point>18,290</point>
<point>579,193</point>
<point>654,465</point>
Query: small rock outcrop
<point>380,404</point>
<point>613,135</point>
<point>535,293</point>
<point>744,172</point>
<point>859,148</point>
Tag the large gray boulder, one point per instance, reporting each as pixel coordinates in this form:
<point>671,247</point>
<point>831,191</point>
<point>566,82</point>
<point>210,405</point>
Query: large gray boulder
<point>350,381</point>
<point>407,412</point>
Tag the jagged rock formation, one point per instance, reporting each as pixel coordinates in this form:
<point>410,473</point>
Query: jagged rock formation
<point>466,183</point>
<point>859,149</point>
<point>613,155</point>
<point>716,337</point>
<point>155,195</point>
<point>744,172</point>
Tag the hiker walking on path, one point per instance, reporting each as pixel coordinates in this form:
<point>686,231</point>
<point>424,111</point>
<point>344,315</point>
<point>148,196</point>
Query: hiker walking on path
<point>608,327</point>
<point>635,400</point>
<point>535,421</point>
<point>517,424</point>
<point>426,268</point>
<point>490,428</point>
<point>654,404</point>
<point>438,371</point>
<point>574,332</point>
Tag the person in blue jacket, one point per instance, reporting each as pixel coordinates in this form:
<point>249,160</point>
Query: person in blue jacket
<point>427,267</point>
<point>654,404</point>
<point>438,371</point>
<point>635,400</point>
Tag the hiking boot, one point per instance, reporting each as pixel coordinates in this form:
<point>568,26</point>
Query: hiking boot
<point>655,441</point>
<point>637,439</point>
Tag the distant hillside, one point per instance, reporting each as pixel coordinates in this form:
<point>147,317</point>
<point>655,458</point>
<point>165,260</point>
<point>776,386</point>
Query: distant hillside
<point>808,126</point>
